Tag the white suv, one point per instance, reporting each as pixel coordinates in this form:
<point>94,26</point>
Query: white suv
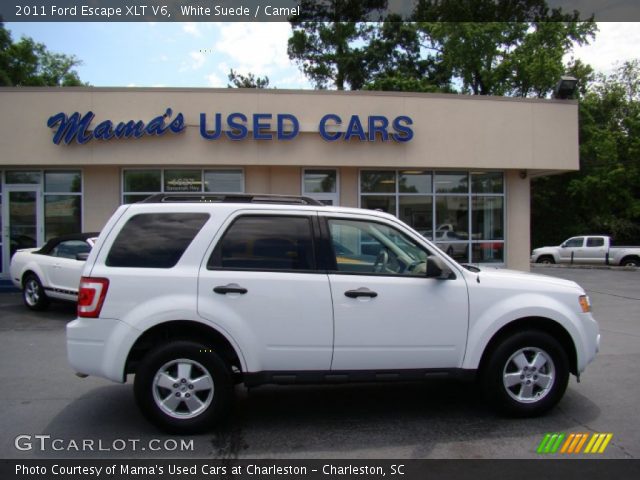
<point>195,293</point>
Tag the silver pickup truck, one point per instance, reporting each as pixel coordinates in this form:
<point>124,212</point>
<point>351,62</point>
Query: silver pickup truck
<point>588,249</point>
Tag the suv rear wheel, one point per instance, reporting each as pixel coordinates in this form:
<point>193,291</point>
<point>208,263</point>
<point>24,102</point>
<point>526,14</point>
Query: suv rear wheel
<point>526,374</point>
<point>183,387</point>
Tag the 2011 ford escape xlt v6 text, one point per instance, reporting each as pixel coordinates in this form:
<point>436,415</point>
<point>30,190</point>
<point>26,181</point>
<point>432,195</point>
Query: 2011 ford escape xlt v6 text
<point>193,294</point>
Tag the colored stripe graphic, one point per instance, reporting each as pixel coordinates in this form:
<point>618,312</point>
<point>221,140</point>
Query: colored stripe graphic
<point>574,443</point>
<point>598,443</point>
<point>550,443</point>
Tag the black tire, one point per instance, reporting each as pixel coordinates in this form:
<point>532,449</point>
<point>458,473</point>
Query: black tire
<point>630,262</point>
<point>546,259</point>
<point>33,294</point>
<point>177,415</point>
<point>547,381</point>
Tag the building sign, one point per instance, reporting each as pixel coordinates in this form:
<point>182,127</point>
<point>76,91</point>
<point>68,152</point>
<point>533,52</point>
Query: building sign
<point>234,126</point>
<point>75,127</point>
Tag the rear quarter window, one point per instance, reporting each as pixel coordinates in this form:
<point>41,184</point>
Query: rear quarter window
<point>155,240</point>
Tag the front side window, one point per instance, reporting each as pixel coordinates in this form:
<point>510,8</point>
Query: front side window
<point>370,248</point>
<point>155,240</point>
<point>265,243</point>
<point>574,242</point>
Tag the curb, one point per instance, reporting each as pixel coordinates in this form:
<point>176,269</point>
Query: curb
<point>584,267</point>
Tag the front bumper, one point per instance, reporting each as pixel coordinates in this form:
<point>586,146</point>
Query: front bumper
<point>98,346</point>
<point>590,341</point>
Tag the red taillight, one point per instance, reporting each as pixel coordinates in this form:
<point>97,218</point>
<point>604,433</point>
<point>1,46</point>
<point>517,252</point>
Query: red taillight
<point>91,296</point>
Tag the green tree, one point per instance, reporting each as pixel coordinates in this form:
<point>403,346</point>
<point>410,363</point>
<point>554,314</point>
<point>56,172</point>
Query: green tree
<point>27,63</point>
<point>329,39</point>
<point>489,56</point>
<point>604,197</point>
<point>505,58</point>
<point>395,60</point>
<point>250,80</point>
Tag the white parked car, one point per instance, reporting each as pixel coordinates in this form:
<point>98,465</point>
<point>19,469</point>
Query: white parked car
<point>588,249</point>
<point>192,294</point>
<point>53,271</point>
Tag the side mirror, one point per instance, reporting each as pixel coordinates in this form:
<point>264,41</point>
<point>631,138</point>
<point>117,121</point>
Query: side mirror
<point>82,256</point>
<point>436,268</point>
<point>563,245</point>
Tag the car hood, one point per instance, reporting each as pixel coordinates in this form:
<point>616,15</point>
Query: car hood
<point>517,277</point>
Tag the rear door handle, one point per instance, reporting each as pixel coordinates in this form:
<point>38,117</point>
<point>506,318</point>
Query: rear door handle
<point>361,292</point>
<point>231,288</point>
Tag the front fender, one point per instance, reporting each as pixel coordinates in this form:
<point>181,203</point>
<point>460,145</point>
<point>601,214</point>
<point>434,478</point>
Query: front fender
<point>526,305</point>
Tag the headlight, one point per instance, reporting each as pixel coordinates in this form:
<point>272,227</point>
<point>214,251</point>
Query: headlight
<point>585,303</point>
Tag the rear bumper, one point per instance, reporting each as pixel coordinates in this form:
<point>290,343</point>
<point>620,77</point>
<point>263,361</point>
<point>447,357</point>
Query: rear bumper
<point>98,346</point>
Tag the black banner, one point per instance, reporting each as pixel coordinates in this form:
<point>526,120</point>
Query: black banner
<point>316,10</point>
<point>318,469</point>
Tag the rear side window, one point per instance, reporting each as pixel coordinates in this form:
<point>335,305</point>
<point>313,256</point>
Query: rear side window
<point>155,240</point>
<point>265,243</point>
<point>595,242</point>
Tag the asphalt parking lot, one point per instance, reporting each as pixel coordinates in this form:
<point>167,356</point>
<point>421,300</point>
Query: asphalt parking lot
<point>438,419</point>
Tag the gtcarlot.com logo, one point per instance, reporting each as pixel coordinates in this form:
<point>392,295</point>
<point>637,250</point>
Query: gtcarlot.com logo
<point>574,443</point>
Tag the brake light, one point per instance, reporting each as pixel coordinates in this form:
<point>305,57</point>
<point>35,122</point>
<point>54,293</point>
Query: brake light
<point>91,296</point>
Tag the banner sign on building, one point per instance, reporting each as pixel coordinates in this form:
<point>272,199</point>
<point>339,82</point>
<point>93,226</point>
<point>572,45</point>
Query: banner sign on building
<point>233,126</point>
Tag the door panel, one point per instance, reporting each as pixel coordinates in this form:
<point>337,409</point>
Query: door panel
<point>595,250</point>
<point>65,273</point>
<point>285,318</point>
<point>387,314</point>
<point>261,285</point>
<point>573,246</point>
<point>411,323</point>
<point>64,269</point>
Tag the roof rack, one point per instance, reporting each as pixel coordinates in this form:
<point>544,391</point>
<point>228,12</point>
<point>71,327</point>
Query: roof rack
<point>229,198</point>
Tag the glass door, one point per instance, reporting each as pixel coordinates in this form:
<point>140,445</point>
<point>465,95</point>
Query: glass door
<point>321,185</point>
<point>22,221</point>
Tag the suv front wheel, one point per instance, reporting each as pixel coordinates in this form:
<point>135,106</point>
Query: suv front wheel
<point>183,387</point>
<point>526,374</point>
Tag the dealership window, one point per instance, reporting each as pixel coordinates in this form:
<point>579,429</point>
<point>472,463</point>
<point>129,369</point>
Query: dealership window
<point>462,212</point>
<point>138,184</point>
<point>321,185</point>
<point>62,203</point>
<point>62,197</point>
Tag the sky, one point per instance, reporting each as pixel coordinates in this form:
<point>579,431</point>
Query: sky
<point>201,54</point>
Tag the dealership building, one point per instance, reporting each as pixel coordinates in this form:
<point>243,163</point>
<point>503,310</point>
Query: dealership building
<point>456,168</point>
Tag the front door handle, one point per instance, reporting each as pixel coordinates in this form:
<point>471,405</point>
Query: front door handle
<point>231,288</point>
<point>361,292</point>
